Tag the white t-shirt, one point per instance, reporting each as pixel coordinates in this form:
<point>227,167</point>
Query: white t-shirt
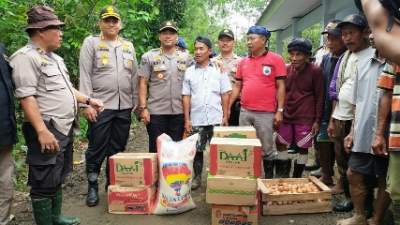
<point>344,107</point>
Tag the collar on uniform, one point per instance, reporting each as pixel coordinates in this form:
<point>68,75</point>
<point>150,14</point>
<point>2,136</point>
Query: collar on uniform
<point>234,56</point>
<point>119,39</point>
<point>264,54</point>
<point>36,47</point>
<point>197,66</point>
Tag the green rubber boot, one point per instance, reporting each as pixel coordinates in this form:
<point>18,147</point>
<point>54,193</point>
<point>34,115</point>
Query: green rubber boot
<point>59,219</point>
<point>41,208</point>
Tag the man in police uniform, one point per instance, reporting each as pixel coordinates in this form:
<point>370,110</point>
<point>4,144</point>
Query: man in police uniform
<point>49,102</point>
<point>161,70</point>
<point>227,61</point>
<point>8,138</point>
<point>108,68</point>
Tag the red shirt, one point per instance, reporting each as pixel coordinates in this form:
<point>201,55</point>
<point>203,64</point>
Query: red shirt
<point>258,75</point>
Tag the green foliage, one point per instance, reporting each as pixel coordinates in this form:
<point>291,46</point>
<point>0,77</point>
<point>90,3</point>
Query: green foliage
<point>139,17</point>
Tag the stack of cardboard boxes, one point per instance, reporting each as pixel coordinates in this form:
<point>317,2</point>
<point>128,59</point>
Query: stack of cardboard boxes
<point>234,165</point>
<point>133,177</point>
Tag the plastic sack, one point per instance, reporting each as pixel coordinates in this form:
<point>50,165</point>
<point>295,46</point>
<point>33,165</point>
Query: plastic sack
<point>175,160</point>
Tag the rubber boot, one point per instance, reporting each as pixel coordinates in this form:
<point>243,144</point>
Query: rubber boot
<point>41,208</point>
<point>198,169</point>
<point>92,198</point>
<point>268,168</point>
<point>346,205</point>
<point>298,170</point>
<point>282,168</point>
<point>59,219</point>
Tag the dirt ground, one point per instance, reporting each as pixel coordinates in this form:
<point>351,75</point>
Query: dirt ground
<point>75,190</point>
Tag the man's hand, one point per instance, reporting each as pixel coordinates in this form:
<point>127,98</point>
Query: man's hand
<point>96,104</point>
<point>278,119</point>
<point>48,141</point>
<point>348,143</point>
<point>90,113</point>
<point>225,121</point>
<point>315,128</point>
<point>331,129</point>
<point>145,116</point>
<point>188,126</point>
<point>379,145</point>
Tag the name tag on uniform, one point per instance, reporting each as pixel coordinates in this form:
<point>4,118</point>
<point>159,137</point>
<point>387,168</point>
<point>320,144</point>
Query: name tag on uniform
<point>266,70</point>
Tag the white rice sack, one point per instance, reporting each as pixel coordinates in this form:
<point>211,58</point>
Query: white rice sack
<point>175,160</point>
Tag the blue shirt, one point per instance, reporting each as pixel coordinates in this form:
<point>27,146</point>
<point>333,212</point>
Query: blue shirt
<point>366,99</point>
<point>205,86</point>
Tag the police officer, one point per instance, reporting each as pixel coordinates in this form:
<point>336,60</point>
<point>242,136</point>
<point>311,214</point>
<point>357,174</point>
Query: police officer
<point>49,102</point>
<point>107,66</point>
<point>161,70</point>
<point>227,61</point>
<point>7,138</point>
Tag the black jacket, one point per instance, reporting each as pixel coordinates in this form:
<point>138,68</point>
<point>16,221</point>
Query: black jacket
<point>5,77</point>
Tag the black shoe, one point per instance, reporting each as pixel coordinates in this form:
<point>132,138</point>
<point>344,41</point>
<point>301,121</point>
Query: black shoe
<point>92,198</point>
<point>344,206</point>
<point>268,168</point>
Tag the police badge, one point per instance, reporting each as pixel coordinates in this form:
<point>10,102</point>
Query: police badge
<point>266,70</point>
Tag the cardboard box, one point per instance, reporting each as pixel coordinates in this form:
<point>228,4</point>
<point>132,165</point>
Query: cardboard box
<point>228,214</point>
<point>230,190</point>
<point>235,132</point>
<point>133,169</point>
<point>235,157</point>
<point>130,200</point>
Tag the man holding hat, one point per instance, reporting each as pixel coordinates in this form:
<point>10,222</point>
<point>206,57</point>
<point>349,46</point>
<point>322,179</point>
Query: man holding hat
<point>49,102</point>
<point>160,86</point>
<point>205,101</point>
<point>302,110</point>
<point>260,82</point>
<point>107,69</point>
<point>227,61</point>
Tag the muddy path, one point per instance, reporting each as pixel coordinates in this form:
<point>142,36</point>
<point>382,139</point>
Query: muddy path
<point>75,190</point>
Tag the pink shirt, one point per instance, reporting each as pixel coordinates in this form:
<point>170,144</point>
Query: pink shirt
<point>258,75</point>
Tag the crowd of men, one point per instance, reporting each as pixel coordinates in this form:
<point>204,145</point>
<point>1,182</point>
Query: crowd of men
<point>345,104</point>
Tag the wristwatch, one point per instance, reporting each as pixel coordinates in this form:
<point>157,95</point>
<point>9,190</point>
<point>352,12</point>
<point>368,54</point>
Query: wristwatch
<point>280,109</point>
<point>88,101</point>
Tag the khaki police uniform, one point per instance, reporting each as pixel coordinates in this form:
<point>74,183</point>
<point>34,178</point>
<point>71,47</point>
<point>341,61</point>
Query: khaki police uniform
<point>108,72</point>
<point>165,77</point>
<point>229,66</point>
<point>45,76</point>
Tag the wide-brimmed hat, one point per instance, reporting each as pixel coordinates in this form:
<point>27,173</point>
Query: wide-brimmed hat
<point>41,17</point>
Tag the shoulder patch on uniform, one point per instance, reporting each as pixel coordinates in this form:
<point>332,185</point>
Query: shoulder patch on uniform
<point>22,50</point>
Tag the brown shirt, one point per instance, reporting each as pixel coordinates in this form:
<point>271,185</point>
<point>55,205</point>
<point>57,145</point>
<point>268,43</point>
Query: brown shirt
<point>45,76</point>
<point>227,65</point>
<point>165,75</point>
<point>108,72</point>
